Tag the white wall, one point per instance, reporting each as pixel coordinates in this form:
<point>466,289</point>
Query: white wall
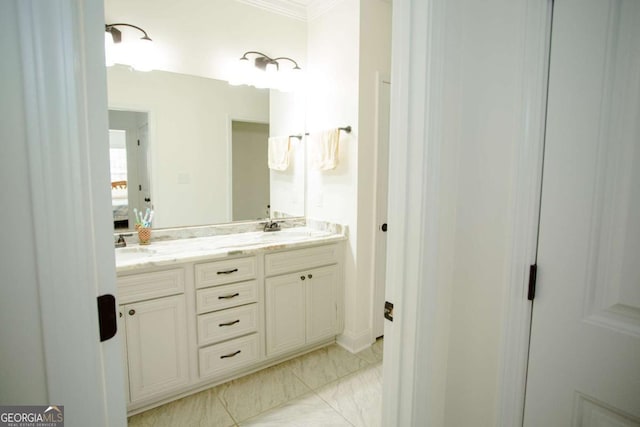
<point>333,58</point>
<point>189,134</point>
<point>22,365</point>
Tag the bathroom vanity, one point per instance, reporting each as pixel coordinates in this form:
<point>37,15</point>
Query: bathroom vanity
<point>198,312</point>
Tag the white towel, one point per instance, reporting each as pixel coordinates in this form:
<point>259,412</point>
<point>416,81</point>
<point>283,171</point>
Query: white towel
<point>323,149</point>
<point>278,153</point>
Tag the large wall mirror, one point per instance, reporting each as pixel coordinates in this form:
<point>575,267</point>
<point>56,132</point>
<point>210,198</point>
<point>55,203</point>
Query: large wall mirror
<point>192,146</point>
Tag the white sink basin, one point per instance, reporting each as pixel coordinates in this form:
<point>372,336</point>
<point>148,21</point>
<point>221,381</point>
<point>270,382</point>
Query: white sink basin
<point>172,250</point>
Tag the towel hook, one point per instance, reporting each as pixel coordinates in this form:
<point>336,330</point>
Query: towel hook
<point>347,129</point>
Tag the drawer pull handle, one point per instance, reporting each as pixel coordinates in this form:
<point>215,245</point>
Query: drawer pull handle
<point>228,271</point>
<point>228,296</point>
<point>230,355</point>
<point>229,323</point>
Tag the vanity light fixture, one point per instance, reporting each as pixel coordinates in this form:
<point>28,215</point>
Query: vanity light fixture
<point>139,53</point>
<point>262,71</point>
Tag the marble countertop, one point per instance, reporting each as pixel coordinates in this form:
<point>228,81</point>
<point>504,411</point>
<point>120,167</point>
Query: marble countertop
<point>169,252</point>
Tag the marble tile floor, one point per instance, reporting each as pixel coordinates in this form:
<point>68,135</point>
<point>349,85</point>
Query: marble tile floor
<point>327,387</point>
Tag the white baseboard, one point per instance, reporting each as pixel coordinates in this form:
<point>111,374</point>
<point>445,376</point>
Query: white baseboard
<point>354,343</point>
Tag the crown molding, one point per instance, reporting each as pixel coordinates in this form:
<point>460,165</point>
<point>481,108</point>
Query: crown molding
<point>317,8</point>
<point>296,9</point>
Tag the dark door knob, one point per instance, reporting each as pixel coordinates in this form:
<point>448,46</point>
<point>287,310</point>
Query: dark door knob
<point>310,276</point>
<point>384,227</point>
<point>132,312</point>
<point>302,277</point>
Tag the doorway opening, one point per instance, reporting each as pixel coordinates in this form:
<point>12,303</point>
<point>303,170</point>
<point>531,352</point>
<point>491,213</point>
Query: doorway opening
<point>250,187</point>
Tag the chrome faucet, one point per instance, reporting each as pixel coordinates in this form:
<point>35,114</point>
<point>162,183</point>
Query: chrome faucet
<point>121,243</point>
<point>271,226</point>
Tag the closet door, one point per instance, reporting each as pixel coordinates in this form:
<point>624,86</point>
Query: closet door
<point>584,366</point>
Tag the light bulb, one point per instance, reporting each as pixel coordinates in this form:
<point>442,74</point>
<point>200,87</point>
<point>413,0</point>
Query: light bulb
<point>143,55</point>
<point>108,49</point>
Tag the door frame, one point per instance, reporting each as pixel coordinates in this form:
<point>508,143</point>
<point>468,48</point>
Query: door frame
<point>64,87</point>
<point>230,119</point>
<point>415,364</point>
<point>514,352</point>
<point>378,288</point>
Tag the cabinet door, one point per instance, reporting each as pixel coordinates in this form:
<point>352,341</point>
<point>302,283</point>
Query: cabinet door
<point>156,346</point>
<point>285,308</point>
<point>321,302</point>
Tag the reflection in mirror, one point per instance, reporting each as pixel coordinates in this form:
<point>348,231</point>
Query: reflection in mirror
<point>250,171</point>
<point>128,152</point>
<point>190,150</point>
<point>191,112</point>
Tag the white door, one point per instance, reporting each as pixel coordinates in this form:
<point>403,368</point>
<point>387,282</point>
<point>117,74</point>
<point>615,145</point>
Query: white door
<point>382,189</point>
<point>584,366</point>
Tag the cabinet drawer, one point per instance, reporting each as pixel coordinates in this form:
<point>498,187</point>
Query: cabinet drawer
<point>300,259</point>
<point>225,324</point>
<point>139,287</point>
<point>226,271</point>
<point>226,296</point>
<point>223,358</point>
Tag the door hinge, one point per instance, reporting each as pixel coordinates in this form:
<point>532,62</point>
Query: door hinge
<point>139,187</point>
<point>388,310</point>
<point>531,293</point>
<point>138,143</point>
<point>107,318</point>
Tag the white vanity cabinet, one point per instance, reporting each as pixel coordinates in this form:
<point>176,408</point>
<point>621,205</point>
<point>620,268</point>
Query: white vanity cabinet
<point>153,314</point>
<point>302,307</point>
<point>228,315</point>
<point>191,323</point>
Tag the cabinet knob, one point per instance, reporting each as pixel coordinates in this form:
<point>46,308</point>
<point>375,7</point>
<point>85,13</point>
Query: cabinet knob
<point>120,314</point>
<point>310,276</point>
<point>132,312</point>
<point>302,277</point>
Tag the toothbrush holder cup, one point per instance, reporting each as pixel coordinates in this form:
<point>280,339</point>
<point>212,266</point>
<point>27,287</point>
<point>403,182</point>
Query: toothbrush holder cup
<point>144,235</point>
